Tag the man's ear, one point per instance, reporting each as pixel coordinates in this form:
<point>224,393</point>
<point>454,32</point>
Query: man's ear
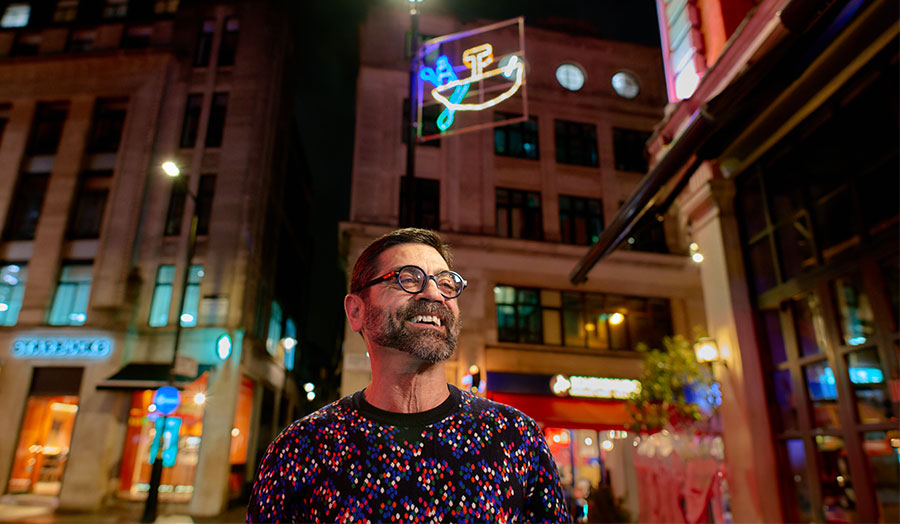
<point>355,308</point>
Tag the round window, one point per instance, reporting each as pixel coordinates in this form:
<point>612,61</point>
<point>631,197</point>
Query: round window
<point>570,76</point>
<point>625,84</point>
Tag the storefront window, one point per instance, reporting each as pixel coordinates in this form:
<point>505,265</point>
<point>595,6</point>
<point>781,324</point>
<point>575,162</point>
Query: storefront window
<point>856,320</point>
<point>796,456</point>
<point>43,448</point>
<point>787,402</point>
<point>795,246</point>
<point>772,325</point>
<point>882,448</point>
<point>177,482</point>
<point>822,388</point>
<point>240,436</point>
<point>838,498</point>
<point>867,377</point>
<point>762,266</point>
<point>809,324</point>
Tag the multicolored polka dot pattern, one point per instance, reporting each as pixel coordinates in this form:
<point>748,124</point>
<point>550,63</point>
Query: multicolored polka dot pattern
<point>467,460</point>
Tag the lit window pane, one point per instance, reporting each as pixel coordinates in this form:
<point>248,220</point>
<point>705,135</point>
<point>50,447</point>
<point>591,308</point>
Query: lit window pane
<point>162,296</point>
<point>16,15</point>
<point>12,289</point>
<point>72,294</point>
<point>838,498</point>
<point>796,458</point>
<point>869,382</point>
<point>822,388</point>
<point>552,334</point>
<point>857,322</point>
<point>192,297</point>
<point>810,325</point>
<point>882,448</point>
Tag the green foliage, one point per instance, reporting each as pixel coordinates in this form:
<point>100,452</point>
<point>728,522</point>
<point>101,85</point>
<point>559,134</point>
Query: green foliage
<point>664,382</point>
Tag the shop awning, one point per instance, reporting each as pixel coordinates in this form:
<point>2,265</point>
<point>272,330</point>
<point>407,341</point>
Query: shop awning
<point>567,412</point>
<point>147,376</point>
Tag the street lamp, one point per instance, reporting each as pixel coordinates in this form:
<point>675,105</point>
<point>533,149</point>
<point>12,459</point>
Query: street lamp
<point>152,505</point>
<point>407,206</point>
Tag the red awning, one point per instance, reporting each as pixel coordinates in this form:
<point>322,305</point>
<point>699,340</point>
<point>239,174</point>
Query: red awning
<point>567,412</point>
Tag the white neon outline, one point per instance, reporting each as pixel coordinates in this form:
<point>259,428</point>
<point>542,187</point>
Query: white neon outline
<point>477,75</point>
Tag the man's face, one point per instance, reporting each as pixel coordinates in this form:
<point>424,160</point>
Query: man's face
<point>404,321</point>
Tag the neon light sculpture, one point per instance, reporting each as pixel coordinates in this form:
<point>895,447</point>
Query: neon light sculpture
<point>477,58</point>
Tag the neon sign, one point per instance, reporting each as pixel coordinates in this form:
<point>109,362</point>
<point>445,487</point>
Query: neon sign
<point>443,77</point>
<point>62,347</point>
<point>594,387</point>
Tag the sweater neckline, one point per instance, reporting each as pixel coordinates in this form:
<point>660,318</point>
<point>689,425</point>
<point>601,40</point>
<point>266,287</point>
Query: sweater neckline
<point>405,420</point>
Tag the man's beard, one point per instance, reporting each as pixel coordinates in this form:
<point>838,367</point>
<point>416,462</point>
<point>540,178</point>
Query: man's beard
<point>391,330</point>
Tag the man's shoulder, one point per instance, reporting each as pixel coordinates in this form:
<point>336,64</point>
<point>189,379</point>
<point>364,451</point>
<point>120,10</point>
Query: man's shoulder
<point>490,408</point>
<point>335,413</point>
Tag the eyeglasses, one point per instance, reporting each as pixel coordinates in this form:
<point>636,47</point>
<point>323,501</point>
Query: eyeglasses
<point>413,279</point>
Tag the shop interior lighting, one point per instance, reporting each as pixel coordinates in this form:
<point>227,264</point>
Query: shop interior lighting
<point>200,398</point>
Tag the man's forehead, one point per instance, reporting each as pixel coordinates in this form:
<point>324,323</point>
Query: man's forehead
<point>410,254</point>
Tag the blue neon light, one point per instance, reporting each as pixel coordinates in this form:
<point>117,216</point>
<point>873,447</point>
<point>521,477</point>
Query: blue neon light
<point>169,437</point>
<point>442,73</point>
<point>866,375</point>
<point>62,347</point>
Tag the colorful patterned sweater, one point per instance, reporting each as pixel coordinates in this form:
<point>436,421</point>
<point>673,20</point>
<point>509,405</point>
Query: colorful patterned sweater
<point>467,460</point>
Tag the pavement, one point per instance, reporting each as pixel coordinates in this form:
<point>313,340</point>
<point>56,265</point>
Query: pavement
<point>119,514</point>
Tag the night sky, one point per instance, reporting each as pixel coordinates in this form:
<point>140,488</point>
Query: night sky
<point>326,35</point>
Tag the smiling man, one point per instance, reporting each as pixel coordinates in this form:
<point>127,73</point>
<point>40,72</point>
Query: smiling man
<point>409,447</point>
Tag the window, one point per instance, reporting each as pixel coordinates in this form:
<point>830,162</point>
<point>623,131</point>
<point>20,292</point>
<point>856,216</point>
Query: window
<point>216,126</point>
<point>625,84</point>
<point>587,320</point>
<point>137,36</point>
<point>115,9</point>
<point>576,143</point>
<point>162,296</point>
<point>425,200</point>
<point>204,43</point>
<point>16,15</point>
<point>27,44</point>
<point>518,140</point>
<point>205,195</point>
<point>570,76</point>
<point>106,132</point>
<point>176,207</point>
<point>12,289</point>
<point>165,6</point>
<point>191,120</point>
<point>628,148</point>
<point>580,220</point>
<point>71,299</point>
<point>429,123</point>
<point>46,129</point>
<point>192,297</point>
<point>26,206</point>
<point>81,40</point>
<point>519,214</point>
<point>648,235</point>
<point>66,11</point>
<point>273,335</point>
<point>90,204</point>
<point>228,46</point>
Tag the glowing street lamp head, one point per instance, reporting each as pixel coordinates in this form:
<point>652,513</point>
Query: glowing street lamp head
<point>171,169</point>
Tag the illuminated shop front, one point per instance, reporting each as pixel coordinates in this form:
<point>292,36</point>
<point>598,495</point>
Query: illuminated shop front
<point>44,439</point>
<point>177,484</point>
<point>583,419</point>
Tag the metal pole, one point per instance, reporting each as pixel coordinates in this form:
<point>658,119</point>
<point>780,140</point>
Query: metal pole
<point>407,206</point>
<point>152,505</point>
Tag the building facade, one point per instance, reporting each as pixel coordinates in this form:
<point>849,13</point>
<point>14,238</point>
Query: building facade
<point>97,242</point>
<point>517,203</point>
<point>779,152</point>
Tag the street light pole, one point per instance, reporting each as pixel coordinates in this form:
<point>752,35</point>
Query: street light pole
<point>152,505</point>
<point>407,206</point>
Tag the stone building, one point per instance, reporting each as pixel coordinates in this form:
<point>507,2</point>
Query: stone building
<point>96,246</point>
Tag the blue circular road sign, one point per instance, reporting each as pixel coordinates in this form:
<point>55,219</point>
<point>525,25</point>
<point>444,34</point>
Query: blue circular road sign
<point>166,399</point>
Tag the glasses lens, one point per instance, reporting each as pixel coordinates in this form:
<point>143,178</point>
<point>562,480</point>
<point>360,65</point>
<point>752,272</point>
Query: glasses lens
<point>411,279</point>
<point>449,283</point>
